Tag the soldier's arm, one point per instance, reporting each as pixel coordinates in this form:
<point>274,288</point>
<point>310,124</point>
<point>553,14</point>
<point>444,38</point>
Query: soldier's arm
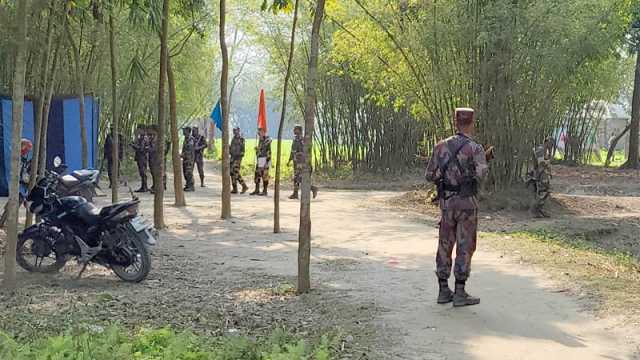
<point>431,172</point>
<point>480,160</point>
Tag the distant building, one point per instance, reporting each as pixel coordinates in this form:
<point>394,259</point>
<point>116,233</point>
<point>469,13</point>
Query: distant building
<point>615,119</point>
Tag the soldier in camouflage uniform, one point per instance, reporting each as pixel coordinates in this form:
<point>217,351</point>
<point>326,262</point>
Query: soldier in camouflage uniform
<point>456,167</point>
<point>154,157</point>
<point>200,143</point>
<point>264,163</point>
<point>297,157</point>
<point>236,150</point>
<point>188,157</point>
<point>141,146</point>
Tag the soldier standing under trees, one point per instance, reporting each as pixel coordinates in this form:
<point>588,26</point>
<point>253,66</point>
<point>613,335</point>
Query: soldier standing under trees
<point>108,154</point>
<point>141,147</point>
<point>188,155</point>
<point>263,150</point>
<point>456,167</point>
<point>200,143</point>
<point>154,157</point>
<point>236,150</point>
<point>297,157</point>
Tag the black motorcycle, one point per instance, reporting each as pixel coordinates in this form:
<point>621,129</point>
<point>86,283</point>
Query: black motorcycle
<point>115,236</point>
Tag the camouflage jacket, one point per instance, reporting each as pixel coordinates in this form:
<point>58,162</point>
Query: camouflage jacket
<point>236,150</point>
<point>264,148</point>
<point>188,149</point>
<point>141,146</point>
<point>472,160</point>
<point>200,143</point>
<point>297,150</point>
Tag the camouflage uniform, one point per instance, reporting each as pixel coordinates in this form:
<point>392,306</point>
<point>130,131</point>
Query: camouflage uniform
<point>108,148</point>
<point>154,160</point>
<point>188,157</point>
<point>297,157</point>
<point>459,221</point>
<point>236,150</point>
<point>141,147</point>
<point>200,143</point>
<point>262,173</point>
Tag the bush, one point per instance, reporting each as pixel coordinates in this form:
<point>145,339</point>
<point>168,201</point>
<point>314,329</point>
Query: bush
<point>115,343</point>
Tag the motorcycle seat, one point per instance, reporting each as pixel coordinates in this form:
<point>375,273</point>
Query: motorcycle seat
<point>69,181</point>
<point>89,213</point>
<point>83,175</point>
<point>114,208</point>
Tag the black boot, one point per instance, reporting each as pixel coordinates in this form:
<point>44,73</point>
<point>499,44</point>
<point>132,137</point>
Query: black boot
<point>294,196</point>
<point>461,298</point>
<point>445,295</point>
<point>235,188</point>
<point>143,187</point>
<point>265,185</point>
<point>257,190</point>
<point>314,191</point>
<point>244,187</point>
<point>202,181</point>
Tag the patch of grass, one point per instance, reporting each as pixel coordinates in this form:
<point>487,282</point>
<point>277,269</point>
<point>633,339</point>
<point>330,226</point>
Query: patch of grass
<point>610,279</point>
<point>115,343</point>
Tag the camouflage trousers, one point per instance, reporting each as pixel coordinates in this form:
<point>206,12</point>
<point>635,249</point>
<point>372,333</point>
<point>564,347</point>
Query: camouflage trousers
<point>199,160</point>
<point>297,174</point>
<point>187,170</point>
<point>236,177</point>
<point>262,174</point>
<point>457,228</point>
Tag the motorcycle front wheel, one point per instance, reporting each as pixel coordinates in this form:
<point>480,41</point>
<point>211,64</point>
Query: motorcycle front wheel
<point>141,264</point>
<point>36,255</point>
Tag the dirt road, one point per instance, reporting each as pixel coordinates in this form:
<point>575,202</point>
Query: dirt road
<point>375,254</point>
<point>384,259</point>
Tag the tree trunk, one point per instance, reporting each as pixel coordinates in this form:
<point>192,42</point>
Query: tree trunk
<point>633,162</point>
<point>158,167</point>
<point>304,235</point>
<point>287,76</point>
<point>226,175</point>
<point>175,140</point>
<point>614,143</point>
<point>80,84</point>
<point>115,139</point>
<point>16,134</point>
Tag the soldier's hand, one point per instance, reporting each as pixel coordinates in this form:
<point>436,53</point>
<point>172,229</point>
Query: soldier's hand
<point>489,153</point>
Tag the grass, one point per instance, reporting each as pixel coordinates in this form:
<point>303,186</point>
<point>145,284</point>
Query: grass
<point>610,279</point>
<point>115,343</point>
<point>598,159</point>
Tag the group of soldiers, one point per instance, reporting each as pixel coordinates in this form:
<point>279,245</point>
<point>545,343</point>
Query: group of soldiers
<point>263,163</point>
<point>194,144</point>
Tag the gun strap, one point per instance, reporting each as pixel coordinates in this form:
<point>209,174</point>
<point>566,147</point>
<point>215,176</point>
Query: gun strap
<point>454,158</point>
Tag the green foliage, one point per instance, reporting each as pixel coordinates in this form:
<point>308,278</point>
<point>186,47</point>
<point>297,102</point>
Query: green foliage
<point>114,343</point>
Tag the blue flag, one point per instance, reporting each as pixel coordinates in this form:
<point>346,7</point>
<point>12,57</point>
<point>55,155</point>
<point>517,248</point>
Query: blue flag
<point>216,116</point>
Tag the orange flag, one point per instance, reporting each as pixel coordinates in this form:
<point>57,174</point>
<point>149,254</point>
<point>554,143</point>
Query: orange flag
<point>262,112</point>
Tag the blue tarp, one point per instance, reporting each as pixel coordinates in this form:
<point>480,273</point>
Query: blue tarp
<point>63,135</point>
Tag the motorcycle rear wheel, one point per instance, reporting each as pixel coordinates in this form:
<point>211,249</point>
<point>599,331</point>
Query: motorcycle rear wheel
<point>21,256</point>
<point>139,270</point>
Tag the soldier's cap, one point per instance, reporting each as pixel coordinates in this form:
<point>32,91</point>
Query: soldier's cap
<point>237,128</point>
<point>464,116</point>
<point>297,127</point>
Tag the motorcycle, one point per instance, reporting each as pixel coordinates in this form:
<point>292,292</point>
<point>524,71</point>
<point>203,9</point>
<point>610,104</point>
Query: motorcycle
<point>115,236</point>
<point>77,183</point>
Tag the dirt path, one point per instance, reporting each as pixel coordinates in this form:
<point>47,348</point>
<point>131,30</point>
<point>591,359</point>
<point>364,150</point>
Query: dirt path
<point>379,259</point>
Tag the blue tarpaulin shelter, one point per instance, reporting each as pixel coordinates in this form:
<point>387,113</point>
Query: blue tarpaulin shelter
<point>63,135</point>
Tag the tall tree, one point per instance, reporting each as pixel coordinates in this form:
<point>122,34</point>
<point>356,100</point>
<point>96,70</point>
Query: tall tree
<point>224,78</point>
<point>633,162</point>
<point>20,47</point>
<point>158,167</point>
<point>115,164</point>
<point>287,76</point>
<point>175,140</point>
<point>79,73</point>
<point>304,235</point>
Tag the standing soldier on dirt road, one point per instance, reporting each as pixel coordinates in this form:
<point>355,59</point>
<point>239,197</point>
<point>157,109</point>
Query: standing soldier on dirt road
<point>141,147</point>
<point>456,167</point>
<point>188,157</point>
<point>263,150</point>
<point>200,143</point>
<point>297,157</point>
<point>236,150</point>
<point>107,155</point>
